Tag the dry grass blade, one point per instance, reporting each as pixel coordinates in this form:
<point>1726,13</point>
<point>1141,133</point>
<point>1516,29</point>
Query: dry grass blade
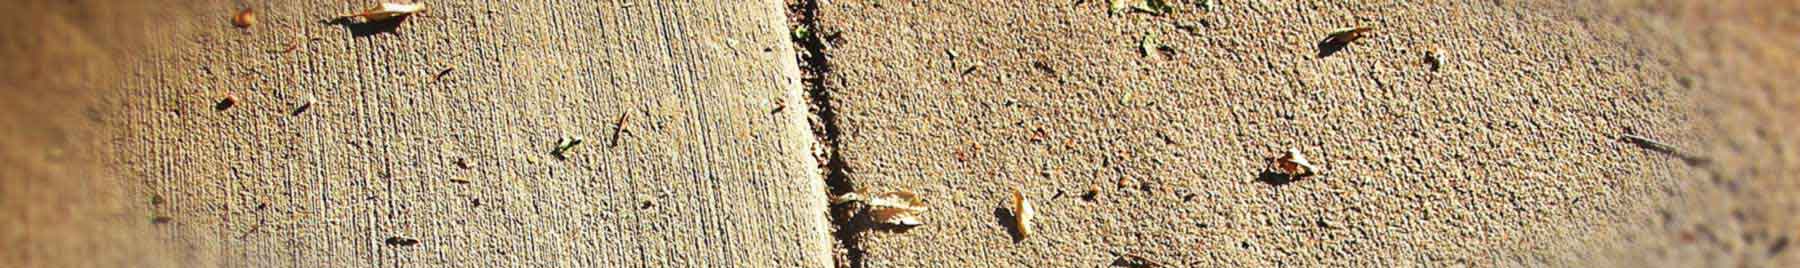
<point>387,11</point>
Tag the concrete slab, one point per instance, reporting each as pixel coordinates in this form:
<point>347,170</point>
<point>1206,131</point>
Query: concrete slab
<point>440,129</point>
<point>1505,154</point>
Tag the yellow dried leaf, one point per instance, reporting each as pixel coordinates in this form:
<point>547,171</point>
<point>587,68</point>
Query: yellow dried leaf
<point>1023,213</point>
<point>244,18</point>
<point>1295,164</point>
<point>897,208</point>
<point>387,11</point>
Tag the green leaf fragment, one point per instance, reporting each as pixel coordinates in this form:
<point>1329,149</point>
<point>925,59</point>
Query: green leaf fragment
<point>563,145</point>
<point>1157,7</point>
<point>1150,44</point>
<point>802,32</point>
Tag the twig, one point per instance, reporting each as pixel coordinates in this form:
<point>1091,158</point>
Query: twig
<point>1664,148</point>
<point>619,127</point>
<point>440,75</point>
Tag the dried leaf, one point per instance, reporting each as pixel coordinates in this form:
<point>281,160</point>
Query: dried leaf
<point>387,11</point>
<point>1023,213</point>
<point>898,208</point>
<point>244,18</point>
<point>1347,34</point>
<point>1294,164</point>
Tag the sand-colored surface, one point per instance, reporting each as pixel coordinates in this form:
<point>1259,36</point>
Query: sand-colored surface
<point>115,152</point>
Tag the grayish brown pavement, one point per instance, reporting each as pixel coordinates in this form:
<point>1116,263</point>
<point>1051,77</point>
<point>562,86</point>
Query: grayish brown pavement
<point>1506,155</point>
<point>710,169</point>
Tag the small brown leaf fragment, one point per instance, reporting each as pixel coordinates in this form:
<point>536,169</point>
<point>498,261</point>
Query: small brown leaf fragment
<point>1294,164</point>
<point>1347,34</point>
<point>387,11</point>
<point>897,208</point>
<point>161,219</point>
<point>244,18</point>
<point>1023,213</point>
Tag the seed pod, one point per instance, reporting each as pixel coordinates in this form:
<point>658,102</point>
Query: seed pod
<point>244,18</point>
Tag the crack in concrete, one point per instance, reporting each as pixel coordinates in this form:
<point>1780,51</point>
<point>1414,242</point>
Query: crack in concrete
<point>815,69</point>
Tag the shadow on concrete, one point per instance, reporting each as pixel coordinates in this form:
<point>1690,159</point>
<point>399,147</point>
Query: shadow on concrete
<point>1273,178</point>
<point>368,28</point>
<point>1007,219</point>
<point>1331,46</point>
<point>862,222</point>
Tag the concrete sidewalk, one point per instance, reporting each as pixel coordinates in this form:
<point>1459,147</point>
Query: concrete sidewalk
<point>439,129</point>
<point>1142,138</point>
